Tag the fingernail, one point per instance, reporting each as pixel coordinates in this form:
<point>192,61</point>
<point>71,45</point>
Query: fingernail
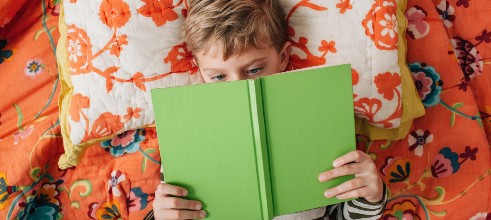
<point>185,192</point>
<point>321,178</point>
<point>335,164</point>
<point>327,194</point>
<point>198,206</point>
<point>202,214</point>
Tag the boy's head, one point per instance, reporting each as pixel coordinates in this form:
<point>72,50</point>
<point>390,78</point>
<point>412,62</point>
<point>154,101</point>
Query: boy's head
<point>237,39</point>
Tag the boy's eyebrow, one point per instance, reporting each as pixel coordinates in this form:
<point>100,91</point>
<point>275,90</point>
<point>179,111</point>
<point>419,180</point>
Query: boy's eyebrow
<point>253,61</point>
<point>214,69</point>
<point>256,60</point>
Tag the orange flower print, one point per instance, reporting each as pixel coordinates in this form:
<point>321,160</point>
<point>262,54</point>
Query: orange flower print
<point>106,124</point>
<point>355,77</point>
<point>181,59</point>
<point>389,25</point>
<point>367,108</point>
<point>328,47</point>
<point>79,50</point>
<point>344,5</point>
<point>51,192</point>
<point>386,84</point>
<point>132,113</point>
<point>33,68</point>
<point>381,24</point>
<point>116,47</point>
<point>396,169</point>
<point>161,11</point>
<point>298,63</point>
<point>78,102</point>
<point>114,13</point>
<point>108,210</point>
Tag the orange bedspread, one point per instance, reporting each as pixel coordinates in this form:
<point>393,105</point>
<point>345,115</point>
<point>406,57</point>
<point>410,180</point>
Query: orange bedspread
<point>440,171</point>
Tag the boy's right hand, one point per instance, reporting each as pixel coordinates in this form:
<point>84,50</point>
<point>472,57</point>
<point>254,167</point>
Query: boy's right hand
<point>167,206</point>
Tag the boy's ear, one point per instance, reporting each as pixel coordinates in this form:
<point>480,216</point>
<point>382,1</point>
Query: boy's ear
<point>285,55</point>
<point>195,63</point>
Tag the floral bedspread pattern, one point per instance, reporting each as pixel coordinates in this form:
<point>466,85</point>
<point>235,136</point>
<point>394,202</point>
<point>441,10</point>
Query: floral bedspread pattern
<point>441,170</point>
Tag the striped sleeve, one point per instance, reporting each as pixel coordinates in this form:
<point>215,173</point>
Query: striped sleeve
<point>359,209</point>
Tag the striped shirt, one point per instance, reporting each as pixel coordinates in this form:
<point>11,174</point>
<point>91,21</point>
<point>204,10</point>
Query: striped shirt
<point>359,209</point>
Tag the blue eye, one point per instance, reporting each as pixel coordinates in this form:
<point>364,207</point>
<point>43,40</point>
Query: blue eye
<point>219,78</point>
<point>254,71</point>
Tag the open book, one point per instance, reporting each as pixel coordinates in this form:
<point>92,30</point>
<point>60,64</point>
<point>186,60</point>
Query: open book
<point>253,149</point>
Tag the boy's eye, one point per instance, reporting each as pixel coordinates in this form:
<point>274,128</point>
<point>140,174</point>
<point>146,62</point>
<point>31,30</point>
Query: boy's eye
<point>218,78</point>
<point>254,71</point>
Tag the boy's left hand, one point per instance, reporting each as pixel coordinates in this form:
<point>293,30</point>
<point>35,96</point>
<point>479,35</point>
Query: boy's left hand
<point>367,183</point>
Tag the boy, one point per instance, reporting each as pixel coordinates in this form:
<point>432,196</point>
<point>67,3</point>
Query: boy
<point>245,39</point>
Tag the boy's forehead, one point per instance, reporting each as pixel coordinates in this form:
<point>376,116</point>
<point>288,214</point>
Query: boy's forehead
<point>217,51</point>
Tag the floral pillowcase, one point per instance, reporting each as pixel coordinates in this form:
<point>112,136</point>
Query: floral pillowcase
<point>112,52</point>
<point>363,33</point>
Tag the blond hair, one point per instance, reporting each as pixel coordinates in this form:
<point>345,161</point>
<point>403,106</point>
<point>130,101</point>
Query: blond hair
<point>234,25</point>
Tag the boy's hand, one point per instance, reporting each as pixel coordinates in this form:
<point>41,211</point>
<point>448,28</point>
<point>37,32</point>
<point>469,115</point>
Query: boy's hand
<point>367,183</point>
<point>166,206</point>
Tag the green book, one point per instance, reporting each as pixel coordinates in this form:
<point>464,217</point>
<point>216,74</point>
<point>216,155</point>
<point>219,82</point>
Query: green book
<point>253,149</point>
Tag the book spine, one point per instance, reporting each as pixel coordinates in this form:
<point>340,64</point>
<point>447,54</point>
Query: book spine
<point>261,150</point>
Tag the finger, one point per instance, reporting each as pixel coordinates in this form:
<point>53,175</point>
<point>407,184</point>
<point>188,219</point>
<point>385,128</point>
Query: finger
<point>353,194</point>
<point>178,203</point>
<point>353,156</point>
<point>180,214</point>
<point>347,186</point>
<point>164,189</point>
<point>348,169</point>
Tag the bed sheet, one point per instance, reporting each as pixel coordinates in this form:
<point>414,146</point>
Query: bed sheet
<point>441,170</point>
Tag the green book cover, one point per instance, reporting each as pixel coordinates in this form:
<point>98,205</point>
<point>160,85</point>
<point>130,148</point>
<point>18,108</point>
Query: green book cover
<point>253,149</point>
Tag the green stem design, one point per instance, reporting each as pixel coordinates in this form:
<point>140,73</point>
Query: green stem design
<point>16,200</point>
<point>20,116</point>
<point>43,20</point>
<point>53,47</point>
<point>84,183</point>
<point>466,189</point>
<point>52,127</point>
<point>386,145</point>
<point>148,156</point>
<point>476,118</point>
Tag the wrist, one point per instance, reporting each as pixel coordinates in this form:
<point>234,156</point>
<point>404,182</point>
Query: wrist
<point>377,200</point>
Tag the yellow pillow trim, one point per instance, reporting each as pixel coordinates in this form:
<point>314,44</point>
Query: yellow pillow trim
<point>73,153</point>
<point>412,107</point>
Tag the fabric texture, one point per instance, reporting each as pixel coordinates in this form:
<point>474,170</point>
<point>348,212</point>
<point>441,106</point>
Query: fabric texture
<point>441,170</point>
<point>8,9</point>
<point>107,73</point>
